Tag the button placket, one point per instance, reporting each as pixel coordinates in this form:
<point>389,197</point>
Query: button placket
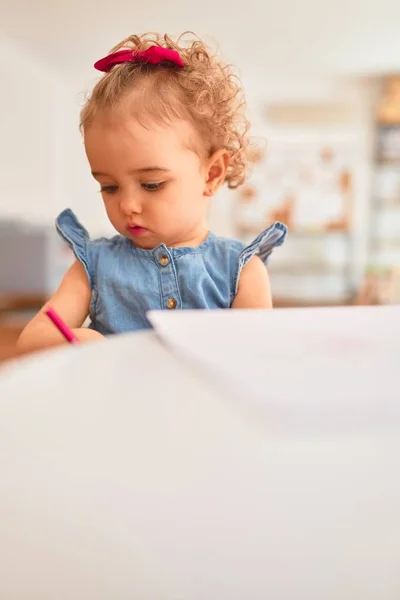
<point>168,281</point>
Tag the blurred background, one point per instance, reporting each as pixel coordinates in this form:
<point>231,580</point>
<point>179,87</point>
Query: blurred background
<point>323,88</point>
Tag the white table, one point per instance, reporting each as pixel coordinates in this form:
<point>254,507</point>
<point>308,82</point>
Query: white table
<point>126,475</point>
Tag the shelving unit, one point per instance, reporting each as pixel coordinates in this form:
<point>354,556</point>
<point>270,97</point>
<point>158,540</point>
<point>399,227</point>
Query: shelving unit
<point>297,265</point>
<point>309,179</point>
<point>384,239</point>
<point>307,270</point>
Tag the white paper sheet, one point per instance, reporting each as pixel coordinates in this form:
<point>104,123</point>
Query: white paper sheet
<point>337,362</point>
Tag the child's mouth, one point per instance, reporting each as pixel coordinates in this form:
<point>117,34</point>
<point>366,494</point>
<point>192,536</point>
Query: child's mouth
<point>136,230</point>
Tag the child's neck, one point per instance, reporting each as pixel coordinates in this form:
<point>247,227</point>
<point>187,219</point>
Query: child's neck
<point>193,238</point>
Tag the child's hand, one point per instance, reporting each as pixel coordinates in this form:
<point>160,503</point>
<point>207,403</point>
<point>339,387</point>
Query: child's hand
<point>87,335</point>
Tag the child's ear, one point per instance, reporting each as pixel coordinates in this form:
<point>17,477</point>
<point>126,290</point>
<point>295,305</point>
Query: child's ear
<point>217,167</point>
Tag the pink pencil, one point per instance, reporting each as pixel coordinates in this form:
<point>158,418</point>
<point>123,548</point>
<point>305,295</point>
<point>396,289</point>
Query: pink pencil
<point>61,326</point>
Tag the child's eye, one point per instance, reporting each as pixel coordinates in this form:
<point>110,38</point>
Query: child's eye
<point>108,189</point>
<point>154,186</point>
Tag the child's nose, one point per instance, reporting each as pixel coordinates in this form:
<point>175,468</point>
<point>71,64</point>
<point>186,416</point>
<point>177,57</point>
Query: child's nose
<point>130,204</point>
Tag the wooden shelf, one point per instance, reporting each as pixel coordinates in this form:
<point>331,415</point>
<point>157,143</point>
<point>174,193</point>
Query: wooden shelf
<point>299,233</point>
<point>319,234</point>
<point>386,244</point>
<point>19,302</point>
<point>388,163</point>
<point>386,205</point>
<point>10,330</point>
<point>307,269</point>
<point>296,303</point>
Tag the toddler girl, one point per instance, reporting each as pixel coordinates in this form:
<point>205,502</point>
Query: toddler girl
<point>163,129</point>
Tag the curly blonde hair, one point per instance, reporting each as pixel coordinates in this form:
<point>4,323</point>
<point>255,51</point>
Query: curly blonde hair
<point>205,92</point>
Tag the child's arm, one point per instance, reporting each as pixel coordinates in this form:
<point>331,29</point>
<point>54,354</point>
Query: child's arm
<point>254,289</point>
<point>71,301</point>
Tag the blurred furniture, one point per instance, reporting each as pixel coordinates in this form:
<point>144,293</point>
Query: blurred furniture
<point>312,268</point>
<point>9,333</point>
<point>309,273</point>
<point>382,276</point>
<point>10,303</point>
<point>307,179</point>
<point>127,472</point>
<point>15,312</point>
<point>33,259</point>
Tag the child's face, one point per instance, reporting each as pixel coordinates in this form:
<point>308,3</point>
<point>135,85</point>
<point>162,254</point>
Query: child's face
<point>155,188</point>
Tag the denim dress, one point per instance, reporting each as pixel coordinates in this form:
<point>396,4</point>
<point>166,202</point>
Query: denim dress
<point>127,281</point>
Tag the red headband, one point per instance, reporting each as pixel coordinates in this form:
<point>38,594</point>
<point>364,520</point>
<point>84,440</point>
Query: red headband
<point>152,56</point>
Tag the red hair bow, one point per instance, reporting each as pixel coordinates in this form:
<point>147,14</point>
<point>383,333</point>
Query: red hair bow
<point>152,56</point>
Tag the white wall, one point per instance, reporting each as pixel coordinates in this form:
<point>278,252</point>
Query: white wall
<point>27,135</point>
<point>76,188</point>
<point>43,167</point>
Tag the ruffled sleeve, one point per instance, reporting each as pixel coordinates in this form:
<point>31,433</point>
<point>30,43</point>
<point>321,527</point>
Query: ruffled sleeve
<point>77,239</point>
<point>262,246</point>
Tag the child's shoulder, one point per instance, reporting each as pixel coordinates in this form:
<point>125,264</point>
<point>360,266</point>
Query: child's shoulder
<point>74,233</point>
<point>88,252</point>
<point>263,244</point>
